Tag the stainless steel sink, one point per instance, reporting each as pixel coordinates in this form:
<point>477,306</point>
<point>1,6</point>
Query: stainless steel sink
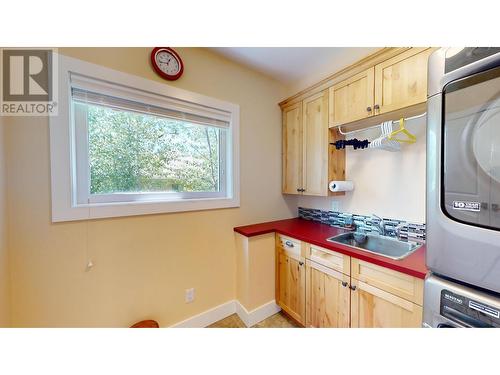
<point>376,244</point>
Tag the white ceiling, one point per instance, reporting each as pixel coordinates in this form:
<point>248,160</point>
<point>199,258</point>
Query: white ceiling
<point>296,67</point>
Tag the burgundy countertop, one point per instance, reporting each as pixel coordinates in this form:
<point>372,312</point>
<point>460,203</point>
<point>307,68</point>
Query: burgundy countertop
<point>317,233</point>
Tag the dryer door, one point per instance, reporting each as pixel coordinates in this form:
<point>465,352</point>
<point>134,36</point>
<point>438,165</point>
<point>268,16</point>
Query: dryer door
<point>470,191</point>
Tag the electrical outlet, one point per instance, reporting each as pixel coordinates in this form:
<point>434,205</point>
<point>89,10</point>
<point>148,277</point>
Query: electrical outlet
<point>189,296</point>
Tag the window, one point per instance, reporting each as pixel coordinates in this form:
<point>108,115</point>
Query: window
<point>129,151</point>
<point>137,146</point>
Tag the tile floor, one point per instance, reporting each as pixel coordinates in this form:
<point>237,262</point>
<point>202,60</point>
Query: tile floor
<point>279,320</point>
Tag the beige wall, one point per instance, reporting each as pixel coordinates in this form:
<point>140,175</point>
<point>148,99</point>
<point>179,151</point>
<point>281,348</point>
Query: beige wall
<point>255,266</point>
<point>142,264</point>
<point>389,184</point>
<point>4,269</point>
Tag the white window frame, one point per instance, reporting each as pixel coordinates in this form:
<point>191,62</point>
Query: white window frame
<point>66,168</point>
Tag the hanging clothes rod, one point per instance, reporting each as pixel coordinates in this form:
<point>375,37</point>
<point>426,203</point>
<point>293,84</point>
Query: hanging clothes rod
<point>378,125</point>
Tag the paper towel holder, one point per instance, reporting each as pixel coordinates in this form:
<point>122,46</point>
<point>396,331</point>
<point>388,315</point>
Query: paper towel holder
<point>340,186</point>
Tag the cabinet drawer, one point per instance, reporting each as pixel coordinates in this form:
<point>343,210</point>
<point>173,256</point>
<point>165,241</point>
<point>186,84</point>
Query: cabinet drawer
<point>289,246</point>
<point>328,258</point>
<point>405,286</point>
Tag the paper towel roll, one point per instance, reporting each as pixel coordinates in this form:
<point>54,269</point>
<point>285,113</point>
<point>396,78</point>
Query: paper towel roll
<point>336,186</point>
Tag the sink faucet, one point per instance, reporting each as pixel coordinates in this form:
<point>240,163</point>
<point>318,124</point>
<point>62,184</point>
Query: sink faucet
<point>380,227</point>
<point>351,225</point>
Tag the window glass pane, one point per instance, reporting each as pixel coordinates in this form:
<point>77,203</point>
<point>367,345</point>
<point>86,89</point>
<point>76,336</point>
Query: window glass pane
<point>136,152</point>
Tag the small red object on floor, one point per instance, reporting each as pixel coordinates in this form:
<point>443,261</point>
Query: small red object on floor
<point>146,324</point>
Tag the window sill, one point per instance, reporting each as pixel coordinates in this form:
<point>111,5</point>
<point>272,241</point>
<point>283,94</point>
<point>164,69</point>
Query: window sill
<point>121,209</point>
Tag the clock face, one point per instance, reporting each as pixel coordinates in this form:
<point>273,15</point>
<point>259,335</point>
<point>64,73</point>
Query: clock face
<point>167,63</point>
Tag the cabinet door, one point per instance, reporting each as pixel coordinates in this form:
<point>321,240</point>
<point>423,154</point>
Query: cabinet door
<point>291,289</point>
<point>327,297</point>
<point>401,81</point>
<point>315,144</point>
<point>374,308</point>
<point>292,149</point>
<point>352,99</point>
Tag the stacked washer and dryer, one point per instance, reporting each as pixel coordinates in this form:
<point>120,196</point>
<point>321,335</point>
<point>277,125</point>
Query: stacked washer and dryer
<point>463,189</point>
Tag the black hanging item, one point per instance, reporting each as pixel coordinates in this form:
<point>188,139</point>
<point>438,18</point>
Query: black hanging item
<point>355,143</point>
<point>363,144</point>
<point>339,144</point>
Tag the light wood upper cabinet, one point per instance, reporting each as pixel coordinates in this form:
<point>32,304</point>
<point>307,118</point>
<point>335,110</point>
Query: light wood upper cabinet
<point>292,149</point>
<point>327,297</point>
<point>402,80</point>
<point>372,307</point>
<point>352,99</point>
<point>390,85</point>
<point>308,160</point>
<point>315,144</point>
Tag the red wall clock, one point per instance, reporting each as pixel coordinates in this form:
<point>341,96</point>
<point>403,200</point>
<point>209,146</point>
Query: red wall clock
<point>167,63</point>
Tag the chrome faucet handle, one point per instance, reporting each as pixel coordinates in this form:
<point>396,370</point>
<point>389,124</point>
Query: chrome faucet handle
<point>349,222</point>
<point>381,224</point>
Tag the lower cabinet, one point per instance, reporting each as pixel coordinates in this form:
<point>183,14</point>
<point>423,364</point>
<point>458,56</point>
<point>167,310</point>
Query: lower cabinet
<point>292,287</point>
<point>321,288</point>
<point>291,279</point>
<point>374,308</point>
<point>327,297</point>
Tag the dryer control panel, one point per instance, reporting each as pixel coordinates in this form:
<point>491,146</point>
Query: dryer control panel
<point>467,56</point>
<point>467,312</point>
<point>449,304</point>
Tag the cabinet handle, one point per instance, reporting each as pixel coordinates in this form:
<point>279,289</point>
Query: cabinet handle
<point>352,287</point>
<point>301,264</point>
<point>368,109</point>
<point>301,190</point>
<point>376,107</point>
<point>344,283</point>
<point>289,243</point>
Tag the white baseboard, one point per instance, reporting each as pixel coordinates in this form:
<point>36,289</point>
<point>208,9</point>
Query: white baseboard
<point>217,313</point>
<point>250,318</point>
<point>208,317</point>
